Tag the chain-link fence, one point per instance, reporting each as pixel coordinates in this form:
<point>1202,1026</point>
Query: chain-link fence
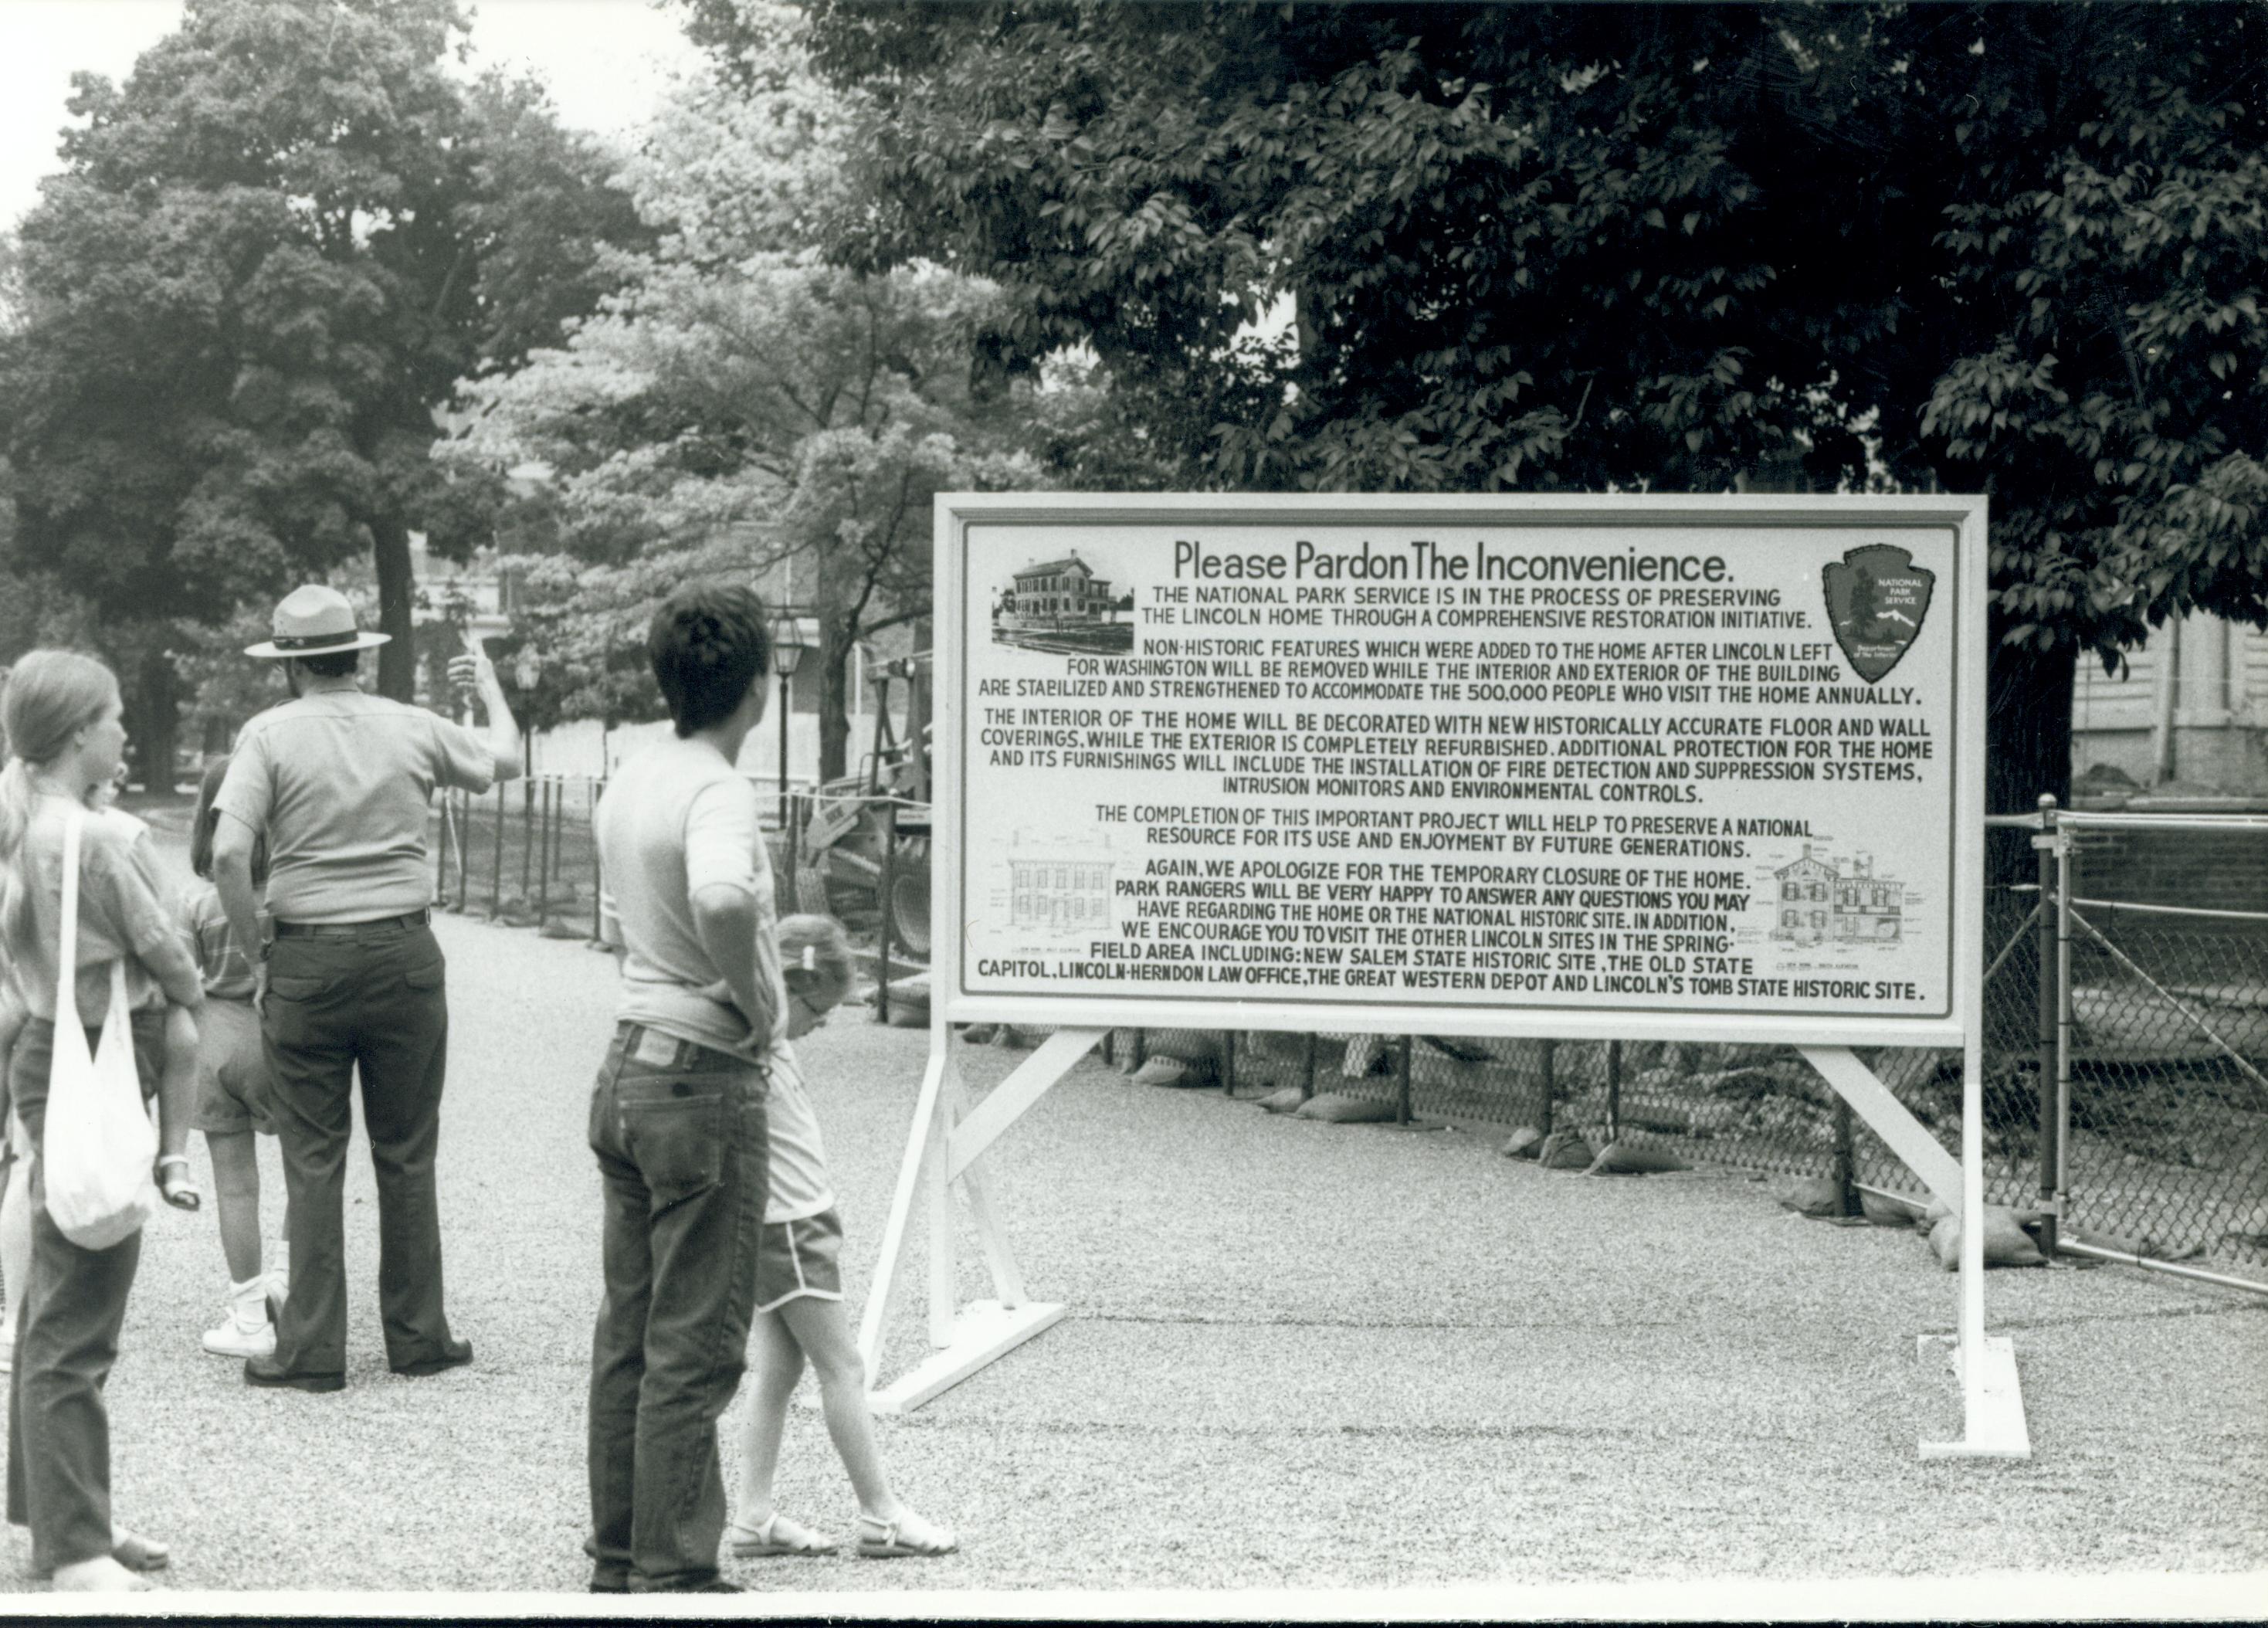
<point>2128,1088</point>
<point>2159,932</point>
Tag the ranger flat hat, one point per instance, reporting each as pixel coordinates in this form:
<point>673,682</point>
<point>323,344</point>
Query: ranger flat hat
<point>315,621</point>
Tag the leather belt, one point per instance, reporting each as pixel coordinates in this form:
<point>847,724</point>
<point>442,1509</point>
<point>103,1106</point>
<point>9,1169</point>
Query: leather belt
<point>410,923</point>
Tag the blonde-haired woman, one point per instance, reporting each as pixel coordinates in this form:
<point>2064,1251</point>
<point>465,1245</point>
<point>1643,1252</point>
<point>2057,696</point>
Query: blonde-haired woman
<point>62,716</point>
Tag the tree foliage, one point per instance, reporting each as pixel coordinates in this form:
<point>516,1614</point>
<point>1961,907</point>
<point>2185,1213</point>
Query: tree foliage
<point>744,409</point>
<point>1685,247</point>
<point>271,254</point>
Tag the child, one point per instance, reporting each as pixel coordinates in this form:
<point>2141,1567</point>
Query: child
<point>176,1086</point>
<point>232,1088</point>
<point>800,1296</point>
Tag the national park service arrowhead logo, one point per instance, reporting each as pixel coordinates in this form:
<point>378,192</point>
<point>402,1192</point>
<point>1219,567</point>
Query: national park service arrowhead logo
<point>1876,598</point>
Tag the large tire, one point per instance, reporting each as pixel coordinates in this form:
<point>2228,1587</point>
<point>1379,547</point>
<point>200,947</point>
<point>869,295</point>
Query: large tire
<point>909,900</point>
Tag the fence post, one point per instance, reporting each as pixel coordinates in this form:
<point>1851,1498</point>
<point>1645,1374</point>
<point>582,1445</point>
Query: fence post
<point>1845,1166</point>
<point>1550,1084</point>
<point>543,801</point>
<point>1228,1062</point>
<point>1614,1090</point>
<point>527,839</point>
<point>598,879</point>
<point>2051,1005</point>
<point>495,877</point>
<point>1401,1080</point>
<point>1307,1075</point>
<point>888,888</point>
<point>2062,891</point>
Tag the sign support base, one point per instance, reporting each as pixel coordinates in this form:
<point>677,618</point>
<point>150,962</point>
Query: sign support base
<point>943,1156</point>
<point>1991,1398</point>
<point>983,1332</point>
<point>1992,1407</point>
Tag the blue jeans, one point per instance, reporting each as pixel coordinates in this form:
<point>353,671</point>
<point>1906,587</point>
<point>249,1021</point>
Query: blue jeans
<point>679,1133</point>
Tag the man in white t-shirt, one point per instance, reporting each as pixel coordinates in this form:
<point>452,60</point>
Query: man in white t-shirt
<point>677,1112</point>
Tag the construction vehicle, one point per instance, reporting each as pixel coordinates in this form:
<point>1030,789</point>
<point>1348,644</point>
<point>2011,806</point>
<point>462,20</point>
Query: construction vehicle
<point>844,838</point>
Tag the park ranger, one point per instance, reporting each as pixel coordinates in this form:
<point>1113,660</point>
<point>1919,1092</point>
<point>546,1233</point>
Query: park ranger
<point>340,783</point>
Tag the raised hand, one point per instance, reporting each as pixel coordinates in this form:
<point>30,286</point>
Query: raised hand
<point>472,670</point>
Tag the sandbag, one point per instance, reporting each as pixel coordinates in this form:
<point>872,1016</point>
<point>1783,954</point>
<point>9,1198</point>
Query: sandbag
<point>1818,1195</point>
<point>2006,1244</point>
<point>1286,1101</point>
<point>1619,1159</point>
<point>909,1011</point>
<point>1178,1072</point>
<point>1564,1150</point>
<point>1883,1210</point>
<point>1333,1109</point>
<point>1522,1143</point>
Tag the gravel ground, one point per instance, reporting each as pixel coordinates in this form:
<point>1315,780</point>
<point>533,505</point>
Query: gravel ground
<point>1299,1357</point>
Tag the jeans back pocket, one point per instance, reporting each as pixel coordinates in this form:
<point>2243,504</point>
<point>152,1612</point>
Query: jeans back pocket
<point>677,1137</point>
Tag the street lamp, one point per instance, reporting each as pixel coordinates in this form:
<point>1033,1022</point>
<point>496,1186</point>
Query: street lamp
<point>787,655</point>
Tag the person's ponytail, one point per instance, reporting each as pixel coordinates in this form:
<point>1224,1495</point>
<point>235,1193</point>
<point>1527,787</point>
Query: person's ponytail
<point>15,809</point>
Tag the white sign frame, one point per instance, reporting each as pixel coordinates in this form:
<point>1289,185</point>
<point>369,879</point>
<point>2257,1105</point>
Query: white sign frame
<point>1964,516</point>
<point>947,1138</point>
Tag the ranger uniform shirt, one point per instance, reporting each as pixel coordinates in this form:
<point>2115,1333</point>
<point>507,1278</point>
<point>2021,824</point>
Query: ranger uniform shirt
<point>341,781</point>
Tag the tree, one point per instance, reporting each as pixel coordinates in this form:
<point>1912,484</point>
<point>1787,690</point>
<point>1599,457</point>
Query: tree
<point>271,253</point>
<point>743,408</point>
<point>2018,248</point>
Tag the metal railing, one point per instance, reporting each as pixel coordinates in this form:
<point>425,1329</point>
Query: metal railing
<point>521,853</point>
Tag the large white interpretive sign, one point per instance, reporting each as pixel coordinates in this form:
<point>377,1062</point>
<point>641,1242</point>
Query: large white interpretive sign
<point>1574,766</point>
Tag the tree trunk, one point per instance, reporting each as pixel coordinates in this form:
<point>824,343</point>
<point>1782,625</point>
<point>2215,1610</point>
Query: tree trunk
<point>834,701</point>
<point>397,586</point>
<point>2028,726</point>
<point>154,725</point>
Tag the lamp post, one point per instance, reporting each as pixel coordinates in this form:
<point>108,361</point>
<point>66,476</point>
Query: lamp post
<point>787,655</point>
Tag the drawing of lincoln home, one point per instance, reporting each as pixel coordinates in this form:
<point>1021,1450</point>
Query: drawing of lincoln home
<point>1059,892</point>
<point>1818,902</point>
<point>1056,592</point>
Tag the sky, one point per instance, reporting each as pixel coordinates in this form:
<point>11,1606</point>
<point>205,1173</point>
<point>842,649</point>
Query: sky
<point>606,61</point>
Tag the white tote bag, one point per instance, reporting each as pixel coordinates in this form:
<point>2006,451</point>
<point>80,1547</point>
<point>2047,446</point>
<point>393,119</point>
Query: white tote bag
<point>100,1147</point>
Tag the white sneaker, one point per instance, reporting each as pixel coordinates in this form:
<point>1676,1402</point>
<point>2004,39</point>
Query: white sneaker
<point>245,1329</point>
<point>231,1339</point>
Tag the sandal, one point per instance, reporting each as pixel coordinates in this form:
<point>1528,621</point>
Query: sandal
<point>175,1185</point>
<point>906,1537</point>
<point>776,1534</point>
